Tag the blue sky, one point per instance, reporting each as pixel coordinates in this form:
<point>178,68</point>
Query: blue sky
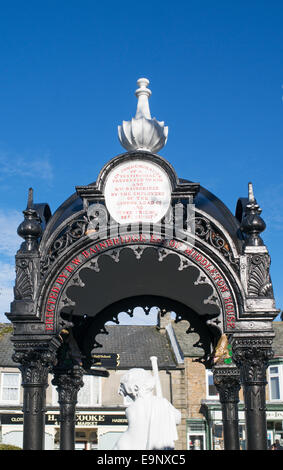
<point>68,72</point>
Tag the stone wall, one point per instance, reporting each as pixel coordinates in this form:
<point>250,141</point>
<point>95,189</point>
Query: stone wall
<point>196,387</point>
<point>179,400</point>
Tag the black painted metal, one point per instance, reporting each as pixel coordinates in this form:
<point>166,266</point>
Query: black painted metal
<point>255,411</point>
<point>35,360</point>
<point>68,384</point>
<point>34,381</point>
<point>252,224</point>
<point>86,334</point>
<point>227,382</point>
<point>252,356</point>
<point>34,416</point>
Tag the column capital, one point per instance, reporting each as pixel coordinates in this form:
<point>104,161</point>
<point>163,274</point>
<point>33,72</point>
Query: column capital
<point>68,384</point>
<point>252,355</point>
<point>36,361</point>
<point>227,382</point>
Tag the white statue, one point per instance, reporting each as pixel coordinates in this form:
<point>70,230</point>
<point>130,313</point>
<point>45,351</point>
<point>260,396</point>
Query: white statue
<point>151,418</point>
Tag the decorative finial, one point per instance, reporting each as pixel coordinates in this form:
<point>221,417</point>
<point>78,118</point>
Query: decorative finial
<point>251,193</point>
<point>143,132</point>
<point>252,224</point>
<point>30,199</point>
<point>142,94</point>
<point>30,229</point>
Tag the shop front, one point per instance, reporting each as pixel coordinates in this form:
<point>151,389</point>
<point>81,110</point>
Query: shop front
<point>274,416</point>
<point>205,434</point>
<point>216,429</point>
<point>93,430</point>
<point>212,427</point>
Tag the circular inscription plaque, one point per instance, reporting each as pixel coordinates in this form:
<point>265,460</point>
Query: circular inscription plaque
<point>137,191</point>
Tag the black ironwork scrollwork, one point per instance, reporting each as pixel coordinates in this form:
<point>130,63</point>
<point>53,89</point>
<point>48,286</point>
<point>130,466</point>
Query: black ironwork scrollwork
<point>259,283</point>
<point>207,231</point>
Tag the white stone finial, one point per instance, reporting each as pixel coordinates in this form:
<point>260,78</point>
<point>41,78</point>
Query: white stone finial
<point>142,94</point>
<point>143,132</point>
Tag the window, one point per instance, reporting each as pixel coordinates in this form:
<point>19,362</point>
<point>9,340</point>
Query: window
<point>211,391</point>
<point>10,387</point>
<point>275,382</point>
<point>88,395</point>
<point>196,435</point>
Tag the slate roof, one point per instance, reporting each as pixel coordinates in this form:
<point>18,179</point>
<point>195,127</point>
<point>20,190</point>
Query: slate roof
<point>6,346</point>
<point>278,340</point>
<point>136,344</point>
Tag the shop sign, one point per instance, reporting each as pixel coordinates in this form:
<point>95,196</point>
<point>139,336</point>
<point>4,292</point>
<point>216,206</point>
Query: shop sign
<point>11,418</point>
<point>82,419</point>
<point>274,414</point>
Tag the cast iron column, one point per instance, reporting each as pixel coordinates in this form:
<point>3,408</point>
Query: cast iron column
<point>227,381</point>
<point>68,384</point>
<point>34,367</point>
<point>252,356</point>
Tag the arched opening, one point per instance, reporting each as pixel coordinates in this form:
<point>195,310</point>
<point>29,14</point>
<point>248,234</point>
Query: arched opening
<point>88,331</point>
<point>109,285</point>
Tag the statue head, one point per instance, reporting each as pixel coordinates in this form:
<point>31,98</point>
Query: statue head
<point>136,383</point>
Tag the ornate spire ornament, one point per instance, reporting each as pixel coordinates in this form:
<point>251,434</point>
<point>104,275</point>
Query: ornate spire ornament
<point>143,132</point>
<point>252,224</point>
<point>30,229</point>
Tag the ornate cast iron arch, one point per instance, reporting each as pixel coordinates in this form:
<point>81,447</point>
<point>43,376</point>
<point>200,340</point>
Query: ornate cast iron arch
<point>70,238</point>
<point>220,301</point>
<point>73,232</point>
